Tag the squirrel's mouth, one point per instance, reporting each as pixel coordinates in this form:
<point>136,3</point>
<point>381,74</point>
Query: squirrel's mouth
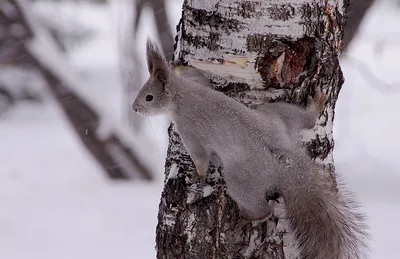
<point>139,109</point>
<point>136,108</point>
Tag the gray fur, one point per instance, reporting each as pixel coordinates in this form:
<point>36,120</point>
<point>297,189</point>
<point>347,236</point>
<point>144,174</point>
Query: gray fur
<point>259,156</point>
<point>191,74</point>
<point>295,117</point>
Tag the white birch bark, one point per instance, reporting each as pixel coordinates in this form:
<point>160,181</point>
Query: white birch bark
<point>254,51</point>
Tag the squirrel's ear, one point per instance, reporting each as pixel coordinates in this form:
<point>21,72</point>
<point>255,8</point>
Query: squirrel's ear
<point>170,89</point>
<point>156,63</point>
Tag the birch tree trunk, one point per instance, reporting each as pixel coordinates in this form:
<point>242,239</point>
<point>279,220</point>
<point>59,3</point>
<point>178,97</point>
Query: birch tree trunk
<point>256,52</point>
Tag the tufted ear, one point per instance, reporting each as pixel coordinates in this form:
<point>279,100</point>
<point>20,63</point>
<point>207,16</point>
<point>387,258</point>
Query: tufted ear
<point>157,65</point>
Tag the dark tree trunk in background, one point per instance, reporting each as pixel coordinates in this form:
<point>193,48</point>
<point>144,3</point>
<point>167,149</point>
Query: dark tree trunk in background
<point>255,51</point>
<point>356,13</point>
<point>130,61</point>
<point>162,23</point>
<point>163,27</point>
<point>117,159</point>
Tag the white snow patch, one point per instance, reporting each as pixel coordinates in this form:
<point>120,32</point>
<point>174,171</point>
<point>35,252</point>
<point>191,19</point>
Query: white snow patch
<point>207,190</point>
<point>173,172</point>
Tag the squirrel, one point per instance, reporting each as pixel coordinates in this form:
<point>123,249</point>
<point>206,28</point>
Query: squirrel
<point>295,118</point>
<point>260,158</point>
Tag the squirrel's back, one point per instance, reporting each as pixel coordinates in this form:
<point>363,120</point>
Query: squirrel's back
<point>224,121</point>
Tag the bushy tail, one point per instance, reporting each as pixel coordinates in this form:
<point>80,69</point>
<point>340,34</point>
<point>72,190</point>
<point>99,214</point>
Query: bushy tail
<point>326,221</point>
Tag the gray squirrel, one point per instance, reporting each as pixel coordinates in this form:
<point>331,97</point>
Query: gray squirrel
<point>260,158</point>
<point>294,117</point>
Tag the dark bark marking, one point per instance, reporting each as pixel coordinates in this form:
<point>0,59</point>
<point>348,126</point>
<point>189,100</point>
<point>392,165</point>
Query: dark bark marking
<point>281,12</point>
<point>310,13</point>
<point>247,9</point>
<point>213,19</point>
<point>259,42</point>
<point>232,89</point>
<point>210,42</point>
<point>320,147</point>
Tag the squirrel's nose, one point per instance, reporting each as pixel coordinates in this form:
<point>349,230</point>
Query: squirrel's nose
<point>134,107</point>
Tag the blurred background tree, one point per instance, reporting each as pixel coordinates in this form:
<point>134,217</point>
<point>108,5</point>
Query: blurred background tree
<point>22,24</point>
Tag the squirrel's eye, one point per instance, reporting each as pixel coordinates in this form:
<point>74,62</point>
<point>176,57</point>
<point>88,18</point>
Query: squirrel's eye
<point>149,97</point>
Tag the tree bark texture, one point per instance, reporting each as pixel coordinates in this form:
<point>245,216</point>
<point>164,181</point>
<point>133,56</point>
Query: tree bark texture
<point>255,52</point>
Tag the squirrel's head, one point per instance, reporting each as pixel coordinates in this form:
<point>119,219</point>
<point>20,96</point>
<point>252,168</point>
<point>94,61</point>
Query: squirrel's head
<point>156,95</point>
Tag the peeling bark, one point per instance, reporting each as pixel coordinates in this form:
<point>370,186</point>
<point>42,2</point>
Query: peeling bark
<point>255,52</point>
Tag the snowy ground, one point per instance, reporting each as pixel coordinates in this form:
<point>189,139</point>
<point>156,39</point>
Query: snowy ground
<point>55,202</point>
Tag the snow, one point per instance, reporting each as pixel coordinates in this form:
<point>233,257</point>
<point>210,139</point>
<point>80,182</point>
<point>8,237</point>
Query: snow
<point>366,129</point>
<point>173,173</point>
<point>55,201</point>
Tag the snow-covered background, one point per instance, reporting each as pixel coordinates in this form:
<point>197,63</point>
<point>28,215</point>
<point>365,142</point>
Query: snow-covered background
<point>56,203</point>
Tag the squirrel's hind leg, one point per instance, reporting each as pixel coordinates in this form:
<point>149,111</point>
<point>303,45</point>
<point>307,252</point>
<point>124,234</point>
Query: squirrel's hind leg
<point>248,193</point>
<point>200,156</point>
